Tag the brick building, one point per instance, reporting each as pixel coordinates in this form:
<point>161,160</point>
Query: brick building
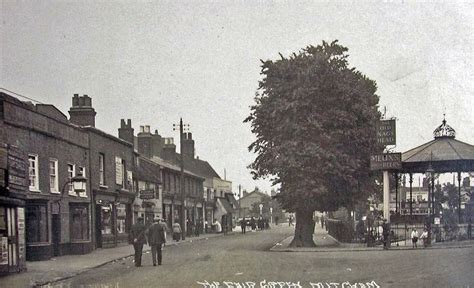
<point>58,221</point>
<point>112,165</point>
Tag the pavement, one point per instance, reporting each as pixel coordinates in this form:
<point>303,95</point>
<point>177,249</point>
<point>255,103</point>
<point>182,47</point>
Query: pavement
<point>326,243</point>
<point>41,273</point>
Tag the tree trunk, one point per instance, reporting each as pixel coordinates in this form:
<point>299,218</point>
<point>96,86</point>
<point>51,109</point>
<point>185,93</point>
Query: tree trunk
<point>304,229</point>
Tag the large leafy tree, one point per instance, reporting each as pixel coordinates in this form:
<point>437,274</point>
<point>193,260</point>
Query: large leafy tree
<point>315,125</point>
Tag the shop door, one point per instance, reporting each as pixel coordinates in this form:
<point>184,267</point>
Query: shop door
<point>56,236</point>
<point>98,226</point>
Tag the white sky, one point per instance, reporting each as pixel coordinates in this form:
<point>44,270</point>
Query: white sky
<point>157,61</point>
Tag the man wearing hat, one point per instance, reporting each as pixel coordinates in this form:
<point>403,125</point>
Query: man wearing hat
<point>156,238</point>
<point>137,238</point>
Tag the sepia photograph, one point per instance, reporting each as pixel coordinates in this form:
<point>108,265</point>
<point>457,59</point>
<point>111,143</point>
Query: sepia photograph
<point>236,144</point>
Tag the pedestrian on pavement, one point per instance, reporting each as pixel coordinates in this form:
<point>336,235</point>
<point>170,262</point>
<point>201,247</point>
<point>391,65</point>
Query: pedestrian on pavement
<point>424,237</point>
<point>217,226</point>
<point>176,230</point>
<point>137,235</point>
<point>414,237</point>
<point>165,226</point>
<point>243,225</point>
<point>253,224</point>
<point>197,229</point>
<point>386,234</point>
<point>156,239</point>
<point>276,220</point>
<point>290,220</point>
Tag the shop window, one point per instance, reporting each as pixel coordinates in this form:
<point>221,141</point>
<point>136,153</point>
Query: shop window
<point>33,172</point>
<point>121,218</point>
<point>79,222</point>
<point>36,223</point>
<point>106,219</point>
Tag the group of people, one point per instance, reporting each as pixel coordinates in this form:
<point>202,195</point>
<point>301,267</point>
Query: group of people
<point>260,224</point>
<point>154,235</point>
<point>415,236</point>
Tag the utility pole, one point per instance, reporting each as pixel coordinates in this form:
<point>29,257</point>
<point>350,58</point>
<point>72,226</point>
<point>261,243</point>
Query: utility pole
<point>183,191</point>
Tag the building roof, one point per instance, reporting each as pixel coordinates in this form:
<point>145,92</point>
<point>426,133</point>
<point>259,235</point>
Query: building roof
<point>253,193</point>
<point>444,154</point>
<point>149,170</point>
<point>172,166</point>
<point>197,166</point>
<point>102,133</point>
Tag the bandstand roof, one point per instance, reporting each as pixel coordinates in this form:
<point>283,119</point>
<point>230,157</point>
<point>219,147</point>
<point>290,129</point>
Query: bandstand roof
<point>443,154</point>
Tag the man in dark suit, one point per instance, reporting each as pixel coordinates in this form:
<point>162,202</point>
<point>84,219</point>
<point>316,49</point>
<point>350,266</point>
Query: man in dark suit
<point>137,238</point>
<point>156,238</point>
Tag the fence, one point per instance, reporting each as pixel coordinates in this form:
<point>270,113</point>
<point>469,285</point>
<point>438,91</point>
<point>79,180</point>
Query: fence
<point>400,233</point>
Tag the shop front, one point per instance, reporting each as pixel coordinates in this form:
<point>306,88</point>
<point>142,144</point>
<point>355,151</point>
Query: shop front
<point>12,210</point>
<point>113,219</point>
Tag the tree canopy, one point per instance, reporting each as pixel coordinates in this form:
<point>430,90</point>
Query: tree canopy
<point>315,121</point>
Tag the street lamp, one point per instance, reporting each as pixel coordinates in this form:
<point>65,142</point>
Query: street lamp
<point>78,184</point>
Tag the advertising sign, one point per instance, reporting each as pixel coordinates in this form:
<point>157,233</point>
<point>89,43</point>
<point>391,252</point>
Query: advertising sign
<point>4,251</point>
<point>386,134</point>
<point>17,170</point>
<point>386,161</point>
<point>147,194</point>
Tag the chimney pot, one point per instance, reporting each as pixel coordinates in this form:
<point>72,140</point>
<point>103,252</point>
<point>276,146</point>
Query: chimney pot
<point>129,122</point>
<point>142,129</point>
<point>122,123</point>
<point>147,128</point>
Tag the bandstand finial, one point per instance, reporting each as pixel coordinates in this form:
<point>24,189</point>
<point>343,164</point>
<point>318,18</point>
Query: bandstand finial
<point>444,130</point>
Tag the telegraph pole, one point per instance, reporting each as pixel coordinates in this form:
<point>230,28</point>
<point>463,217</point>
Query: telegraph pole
<point>183,191</point>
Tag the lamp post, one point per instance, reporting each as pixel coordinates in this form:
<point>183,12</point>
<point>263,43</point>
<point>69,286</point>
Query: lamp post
<point>260,206</point>
<point>271,214</point>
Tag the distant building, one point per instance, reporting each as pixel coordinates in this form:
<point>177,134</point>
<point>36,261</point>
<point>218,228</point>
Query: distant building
<point>247,201</point>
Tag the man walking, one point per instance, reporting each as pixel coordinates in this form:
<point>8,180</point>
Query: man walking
<point>243,225</point>
<point>156,238</point>
<point>137,235</point>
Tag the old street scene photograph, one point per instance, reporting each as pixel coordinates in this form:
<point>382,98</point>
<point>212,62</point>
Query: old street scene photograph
<point>236,144</point>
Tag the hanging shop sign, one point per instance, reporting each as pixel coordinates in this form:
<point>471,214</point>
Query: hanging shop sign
<point>17,170</point>
<point>386,134</point>
<point>386,161</point>
<point>147,194</point>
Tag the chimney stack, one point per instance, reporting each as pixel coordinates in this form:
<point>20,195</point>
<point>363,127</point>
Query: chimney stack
<point>126,131</point>
<point>169,149</point>
<point>81,113</point>
<point>188,146</point>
